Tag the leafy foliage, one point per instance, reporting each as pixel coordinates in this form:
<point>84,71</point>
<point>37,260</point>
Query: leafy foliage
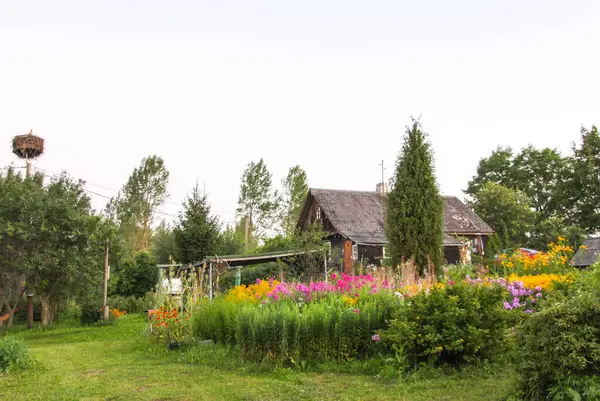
<point>14,354</point>
<point>51,232</point>
<point>295,189</point>
<point>133,304</point>
<point>506,210</point>
<point>582,186</point>
<point>231,240</point>
<point>163,246</point>
<point>137,276</point>
<point>140,197</point>
<point>257,202</point>
<point>535,172</point>
<point>559,348</point>
<point>453,325</point>
<point>414,215</point>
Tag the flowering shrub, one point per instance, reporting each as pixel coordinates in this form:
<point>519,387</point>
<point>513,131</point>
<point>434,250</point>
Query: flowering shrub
<point>517,295</point>
<point>273,290</point>
<point>117,313</point>
<point>543,281</point>
<point>252,293</point>
<point>454,324</point>
<point>556,260</point>
<point>168,325</point>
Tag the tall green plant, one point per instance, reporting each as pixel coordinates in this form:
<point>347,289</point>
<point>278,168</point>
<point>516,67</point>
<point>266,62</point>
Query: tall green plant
<point>414,213</point>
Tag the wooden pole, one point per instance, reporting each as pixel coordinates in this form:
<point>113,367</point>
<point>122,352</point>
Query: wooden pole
<point>29,311</point>
<point>210,282</point>
<point>104,305</point>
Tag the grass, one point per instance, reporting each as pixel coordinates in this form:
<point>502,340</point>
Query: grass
<point>116,363</point>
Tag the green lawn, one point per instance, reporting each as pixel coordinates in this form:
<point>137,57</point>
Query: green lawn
<point>115,363</point>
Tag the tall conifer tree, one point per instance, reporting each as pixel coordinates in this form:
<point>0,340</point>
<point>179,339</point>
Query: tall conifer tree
<point>415,208</point>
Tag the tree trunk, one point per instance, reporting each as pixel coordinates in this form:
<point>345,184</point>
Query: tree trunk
<point>246,233</point>
<point>47,311</point>
<point>11,312</point>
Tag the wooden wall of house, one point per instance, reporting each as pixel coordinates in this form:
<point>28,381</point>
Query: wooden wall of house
<point>451,255</point>
<point>312,215</point>
<point>370,254</point>
<point>337,251</point>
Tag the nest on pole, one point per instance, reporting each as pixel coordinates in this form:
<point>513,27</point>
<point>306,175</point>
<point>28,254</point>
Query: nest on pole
<point>28,146</point>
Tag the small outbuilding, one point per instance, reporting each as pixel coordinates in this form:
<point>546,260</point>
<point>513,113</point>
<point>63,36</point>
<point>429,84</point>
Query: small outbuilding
<point>588,253</point>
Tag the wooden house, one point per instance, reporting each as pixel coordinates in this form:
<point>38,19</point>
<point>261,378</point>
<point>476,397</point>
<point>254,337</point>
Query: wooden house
<point>354,224</point>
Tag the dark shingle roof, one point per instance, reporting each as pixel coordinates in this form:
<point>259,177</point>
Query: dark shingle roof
<point>586,257</point>
<point>358,215</point>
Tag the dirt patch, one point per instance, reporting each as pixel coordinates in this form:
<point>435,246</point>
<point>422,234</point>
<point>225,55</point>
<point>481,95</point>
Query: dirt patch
<point>94,372</point>
<point>141,378</point>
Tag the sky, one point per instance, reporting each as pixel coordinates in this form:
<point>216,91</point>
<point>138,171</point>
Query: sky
<point>327,85</point>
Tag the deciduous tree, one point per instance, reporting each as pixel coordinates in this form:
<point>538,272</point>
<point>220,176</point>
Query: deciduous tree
<point>257,202</point>
<point>507,211</point>
<point>144,192</point>
<point>582,187</point>
<point>295,188</point>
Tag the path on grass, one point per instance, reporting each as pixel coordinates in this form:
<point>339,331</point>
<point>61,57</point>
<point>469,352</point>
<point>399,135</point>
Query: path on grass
<point>112,363</point>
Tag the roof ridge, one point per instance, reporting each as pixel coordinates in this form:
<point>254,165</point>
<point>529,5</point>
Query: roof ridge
<point>365,191</point>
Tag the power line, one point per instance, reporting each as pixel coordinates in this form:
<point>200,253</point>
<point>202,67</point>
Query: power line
<point>51,174</point>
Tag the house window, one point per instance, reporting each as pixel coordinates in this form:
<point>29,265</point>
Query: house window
<point>318,213</point>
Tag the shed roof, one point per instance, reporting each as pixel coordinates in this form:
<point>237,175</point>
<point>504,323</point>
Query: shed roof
<point>358,215</point>
<point>247,260</point>
<point>586,257</point>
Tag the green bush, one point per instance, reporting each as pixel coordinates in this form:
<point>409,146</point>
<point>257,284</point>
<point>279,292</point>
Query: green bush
<point>559,349</point>
<point>133,304</point>
<point>90,313</point>
<point>13,354</point>
<point>286,331</point>
<point>451,325</point>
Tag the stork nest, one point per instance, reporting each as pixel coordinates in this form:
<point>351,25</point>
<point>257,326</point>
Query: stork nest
<point>28,146</point>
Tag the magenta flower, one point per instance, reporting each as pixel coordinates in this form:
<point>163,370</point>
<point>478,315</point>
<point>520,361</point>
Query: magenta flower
<point>376,338</point>
<point>357,311</point>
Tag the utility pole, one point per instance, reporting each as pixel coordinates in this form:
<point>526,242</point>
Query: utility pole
<point>106,273</point>
<point>382,179</point>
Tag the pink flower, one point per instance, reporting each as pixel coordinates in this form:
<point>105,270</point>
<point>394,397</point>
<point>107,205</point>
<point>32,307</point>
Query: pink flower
<point>333,276</point>
<point>376,338</point>
<point>357,311</point>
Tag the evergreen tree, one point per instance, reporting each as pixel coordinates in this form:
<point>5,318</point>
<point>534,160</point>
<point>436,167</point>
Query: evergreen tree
<point>197,232</point>
<point>414,206</point>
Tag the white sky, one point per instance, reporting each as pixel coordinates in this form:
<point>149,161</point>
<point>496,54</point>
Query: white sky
<point>328,85</point>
